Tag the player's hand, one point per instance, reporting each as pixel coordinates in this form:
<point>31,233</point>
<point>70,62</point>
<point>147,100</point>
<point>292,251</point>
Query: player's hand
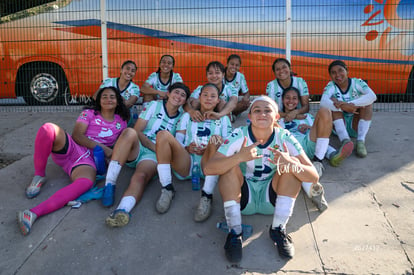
<point>211,115</point>
<point>291,115</point>
<point>303,128</point>
<point>248,153</point>
<point>350,108</point>
<point>196,116</point>
<point>162,95</point>
<point>193,148</point>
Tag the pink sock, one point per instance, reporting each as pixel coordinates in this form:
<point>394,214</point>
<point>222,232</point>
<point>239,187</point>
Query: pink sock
<point>43,147</point>
<point>63,196</point>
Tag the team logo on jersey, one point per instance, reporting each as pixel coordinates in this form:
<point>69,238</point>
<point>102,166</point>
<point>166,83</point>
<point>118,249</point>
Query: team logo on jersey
<point>98,121</point>
<point>118,126</point>
<point>354,93</point>
<point>278,94</point>
<point>83,116</point>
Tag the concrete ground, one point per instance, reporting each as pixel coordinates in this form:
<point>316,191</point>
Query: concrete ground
<point>368,228</point>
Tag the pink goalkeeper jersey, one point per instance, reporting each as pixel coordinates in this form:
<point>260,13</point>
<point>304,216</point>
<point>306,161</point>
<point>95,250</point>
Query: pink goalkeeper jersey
<point>101,130</point>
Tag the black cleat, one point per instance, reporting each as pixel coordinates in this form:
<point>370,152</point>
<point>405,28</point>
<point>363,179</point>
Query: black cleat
<point>283,242</point>
<point>233,247</point>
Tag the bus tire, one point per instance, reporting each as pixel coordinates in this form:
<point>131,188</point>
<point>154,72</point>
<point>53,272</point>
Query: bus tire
<point>43,83</point>
<point>409,94</point>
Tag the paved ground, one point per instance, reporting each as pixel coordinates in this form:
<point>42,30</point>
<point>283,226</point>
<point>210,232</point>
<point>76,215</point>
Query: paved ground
<point>368,228</point>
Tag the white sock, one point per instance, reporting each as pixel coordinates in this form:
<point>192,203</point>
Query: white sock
<point>340,129</point>
<point>321,147</point>
<point>363,127</point>
<point>233,216</point>
<point>164,173</point>
<point>113,172</point>
<point>307,188</point>
<point>283,211</point>
<point>127,203</point>
<point>329,151</point>
<point>209,184</point>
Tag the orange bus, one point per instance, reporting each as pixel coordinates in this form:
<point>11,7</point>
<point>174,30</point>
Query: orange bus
<point>52,51</point>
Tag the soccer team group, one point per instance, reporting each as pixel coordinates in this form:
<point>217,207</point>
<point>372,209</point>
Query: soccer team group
<point>259,167</point>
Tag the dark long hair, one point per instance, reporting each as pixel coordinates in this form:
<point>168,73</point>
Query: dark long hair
<point>217,89</point>
<point>335,63</point>
<point>128,62</point>
<point>120,109</point>
<point>287,90</point>
<point>284,60</point>
<point>172,72</point>
<point>180,85</point>
<point>234,56</point>
<point>216,64</point>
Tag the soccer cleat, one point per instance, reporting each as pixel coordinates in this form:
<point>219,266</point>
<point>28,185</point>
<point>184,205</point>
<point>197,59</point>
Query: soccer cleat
<point>108,195</point>
<point>361,150</point>
<point>233,247</point>
<point>25,220</point>
<point>319,167</point>
<point>318,197</point>
<point>344,151</point>
<point>164,201</point>
<point>118,218</point>
<point>34,187</point>
<point>283,242</point>
<point>203,210</point>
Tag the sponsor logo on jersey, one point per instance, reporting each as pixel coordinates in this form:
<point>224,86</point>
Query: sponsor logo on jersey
<point>105,132</point>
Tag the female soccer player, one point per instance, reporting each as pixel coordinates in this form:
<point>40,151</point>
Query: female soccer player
<point>194,142</point>
<point>261,168</point>
<point>351,101</point>
<point>99,126</point>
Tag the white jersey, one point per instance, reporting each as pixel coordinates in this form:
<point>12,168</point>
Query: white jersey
<point>358,93</point>
<point>200,132</point>
<point>260,171</point>
<point>155,113</point>
<point>155,81</point>
<point>226,93</point>
<point>292,126</point>
<point>274,90</point>
<point>238,82</point>
<point>130,90</point>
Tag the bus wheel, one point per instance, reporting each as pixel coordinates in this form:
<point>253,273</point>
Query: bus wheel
<point>409,94</point>
<point>44,84</point>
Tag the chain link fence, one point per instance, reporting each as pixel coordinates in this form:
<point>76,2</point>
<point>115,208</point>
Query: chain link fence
<point>55,54</point>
